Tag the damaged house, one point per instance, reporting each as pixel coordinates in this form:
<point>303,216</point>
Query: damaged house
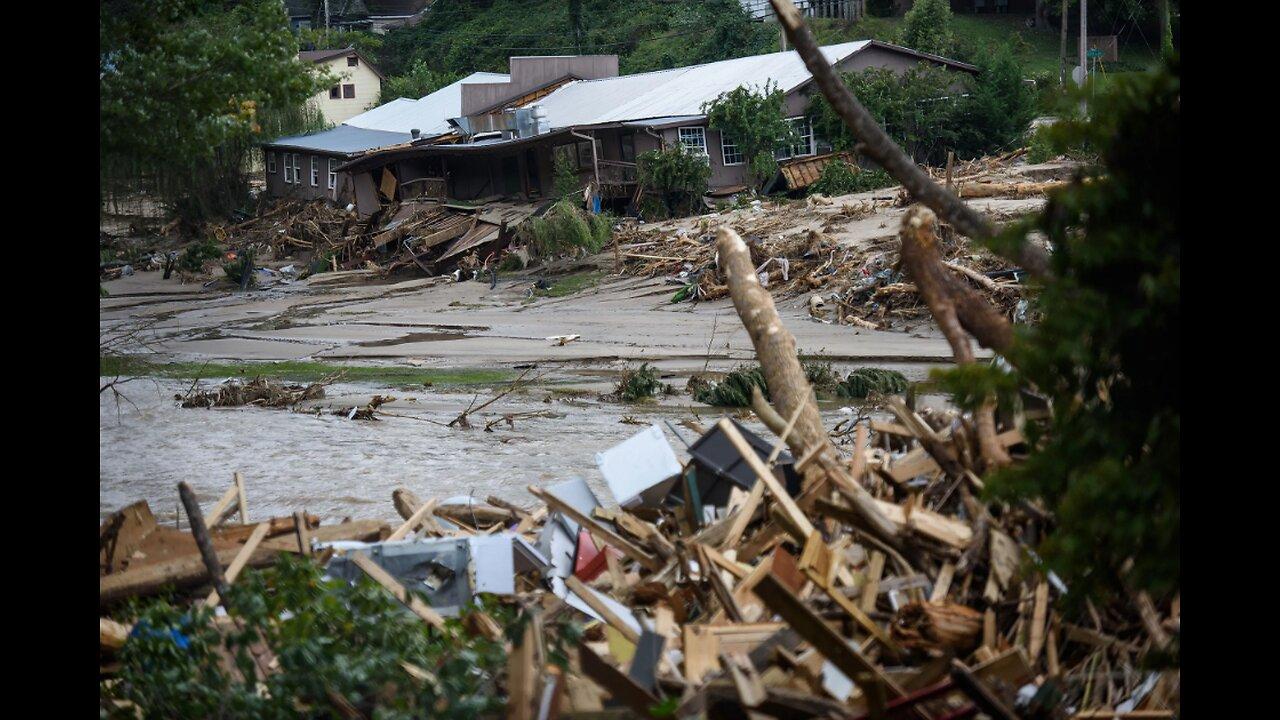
<point>502,142</point>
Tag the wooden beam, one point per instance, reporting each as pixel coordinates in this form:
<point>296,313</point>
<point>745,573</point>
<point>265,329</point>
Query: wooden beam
<point>304,534</point>
<point>222,509</point>
<point>620,687</point>
<point>826,641</point>
<point>241,503</point>
<point>414,520</point>
<point>581,590</point>
<point>765,475</point>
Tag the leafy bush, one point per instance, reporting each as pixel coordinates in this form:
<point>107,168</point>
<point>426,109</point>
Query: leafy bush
<point>195,255</point>
<point>639,383</point>
<point>566,228</point>
<point>735,389</point>
<point>841,178</point>
<point>865,382</point>
<point>566,178</point>
<point>755,121</point>
<point>927,27</point>
<point>419,81</point>
<point>1107,349</point>
<point>929,110</point>
<point>678,175</point>
<point>235,268</point>
<point>331,638</point>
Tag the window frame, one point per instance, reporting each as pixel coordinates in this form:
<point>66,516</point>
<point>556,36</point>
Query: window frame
<point>335,92</point>
<point>702,132</point>
<point>806,132</point>
<point>333,174</point>
<point>725,144</point>
<point>288,168</point>
<point>353,61</point>
<point>345,86</point>
<point>297,169</point>
<point>271,162</point>
<point>315,171</point>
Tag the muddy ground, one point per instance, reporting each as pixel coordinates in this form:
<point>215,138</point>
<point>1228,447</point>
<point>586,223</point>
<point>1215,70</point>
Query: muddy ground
<point>335,467</point>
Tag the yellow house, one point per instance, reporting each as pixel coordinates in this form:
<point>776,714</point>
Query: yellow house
<point>358,87</point>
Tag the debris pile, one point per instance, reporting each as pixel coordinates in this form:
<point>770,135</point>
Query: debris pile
<point>259,392</point>
<point>726,579</point>
<point>426,234</point>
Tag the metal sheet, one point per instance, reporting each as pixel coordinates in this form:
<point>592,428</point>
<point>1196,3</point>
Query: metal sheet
<point>640,469</point>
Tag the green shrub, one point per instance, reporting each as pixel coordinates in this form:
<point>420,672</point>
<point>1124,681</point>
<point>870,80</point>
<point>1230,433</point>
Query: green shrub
<point>1040,149</point>
<point>566,178</point>
<point>639,383</point>
<point>235,268</point>
<point>567,228</point>
<point>195,255</point>
<point>330,637</point>
<point>678,175</point>
<point>735,389</point>
<point>842,178</point>
<point>865,382</point>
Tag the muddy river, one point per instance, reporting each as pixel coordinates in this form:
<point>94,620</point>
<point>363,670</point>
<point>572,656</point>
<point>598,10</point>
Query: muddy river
<point>335,467</point>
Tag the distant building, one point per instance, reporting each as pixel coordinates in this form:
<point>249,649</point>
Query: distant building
<point>357,89</point>
<point>489,137</point>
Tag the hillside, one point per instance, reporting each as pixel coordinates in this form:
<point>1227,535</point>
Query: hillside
<point>462,36</point>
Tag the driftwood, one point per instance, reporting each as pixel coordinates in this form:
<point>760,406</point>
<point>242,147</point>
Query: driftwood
<point>957,308</point>
<point>776,349</point>
<point>937,626</point>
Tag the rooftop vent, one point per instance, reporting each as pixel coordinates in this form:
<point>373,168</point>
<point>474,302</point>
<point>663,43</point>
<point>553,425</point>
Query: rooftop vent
<point>415,132</point>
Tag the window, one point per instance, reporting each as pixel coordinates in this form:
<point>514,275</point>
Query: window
<point>803,128</point>
<point>694,139</point>
<point>348,91</point>
<point>333,173</point>
<point>628,143</point>
<point>271,162</point>
<point>315,171</point>
<point>288,170</point>
<point>352,61</point>
<point>335,92</point>
<point>583,150</point>
<point>297,170</point>
<point>729,151</point>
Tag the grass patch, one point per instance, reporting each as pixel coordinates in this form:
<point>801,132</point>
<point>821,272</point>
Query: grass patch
<point>571,284</point>
<point>113,365</point>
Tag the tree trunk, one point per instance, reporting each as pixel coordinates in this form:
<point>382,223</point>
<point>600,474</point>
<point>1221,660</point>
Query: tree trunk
<point>937,626</point>
<point>790,390</point>
<point>1062,53</point>
<point>957,308</point>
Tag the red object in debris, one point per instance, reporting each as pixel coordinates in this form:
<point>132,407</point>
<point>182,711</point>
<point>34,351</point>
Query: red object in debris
<point>590,561</point>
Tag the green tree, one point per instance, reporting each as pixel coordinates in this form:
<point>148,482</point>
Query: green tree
<point>1107,350</point>
<point>419,81</point>
<point>755,120</point>
<point>186,87</point>
<point>999,106</point>
<point>927,27</point>
<point>678,175</point>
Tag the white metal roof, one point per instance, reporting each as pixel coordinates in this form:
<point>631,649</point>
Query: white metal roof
<point>679,91</point>
<point>429,113</point>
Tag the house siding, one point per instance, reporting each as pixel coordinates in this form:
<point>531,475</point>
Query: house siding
<point>368,90</point>
<point>276,186</point>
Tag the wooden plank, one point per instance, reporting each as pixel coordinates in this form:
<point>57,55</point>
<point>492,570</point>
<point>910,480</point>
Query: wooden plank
<point>943,583</point>
<point>303,532</point>
<point>745,678</point>
<point>581,590</point>
<point>626,546</point>
<point>241,503</point>
<point>242,557</point>
<point>180,572</point>
<point>1038,618</point>
<point>522,676</point>
<point>743,517</point>
<point>928,523</point>
<point>222,509</point>
<point>861,618</point>
<point>701,650</point>
<point>826,641</point>
<point>414,520</point>
<point>765,475</point>
<point>875,567</point>
<point>384,578</point>
<point>979,693</point>
<point>127,528</point>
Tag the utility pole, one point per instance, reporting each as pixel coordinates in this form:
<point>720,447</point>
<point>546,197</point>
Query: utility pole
<point>1062,53</point>
<point>1084,38</point>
